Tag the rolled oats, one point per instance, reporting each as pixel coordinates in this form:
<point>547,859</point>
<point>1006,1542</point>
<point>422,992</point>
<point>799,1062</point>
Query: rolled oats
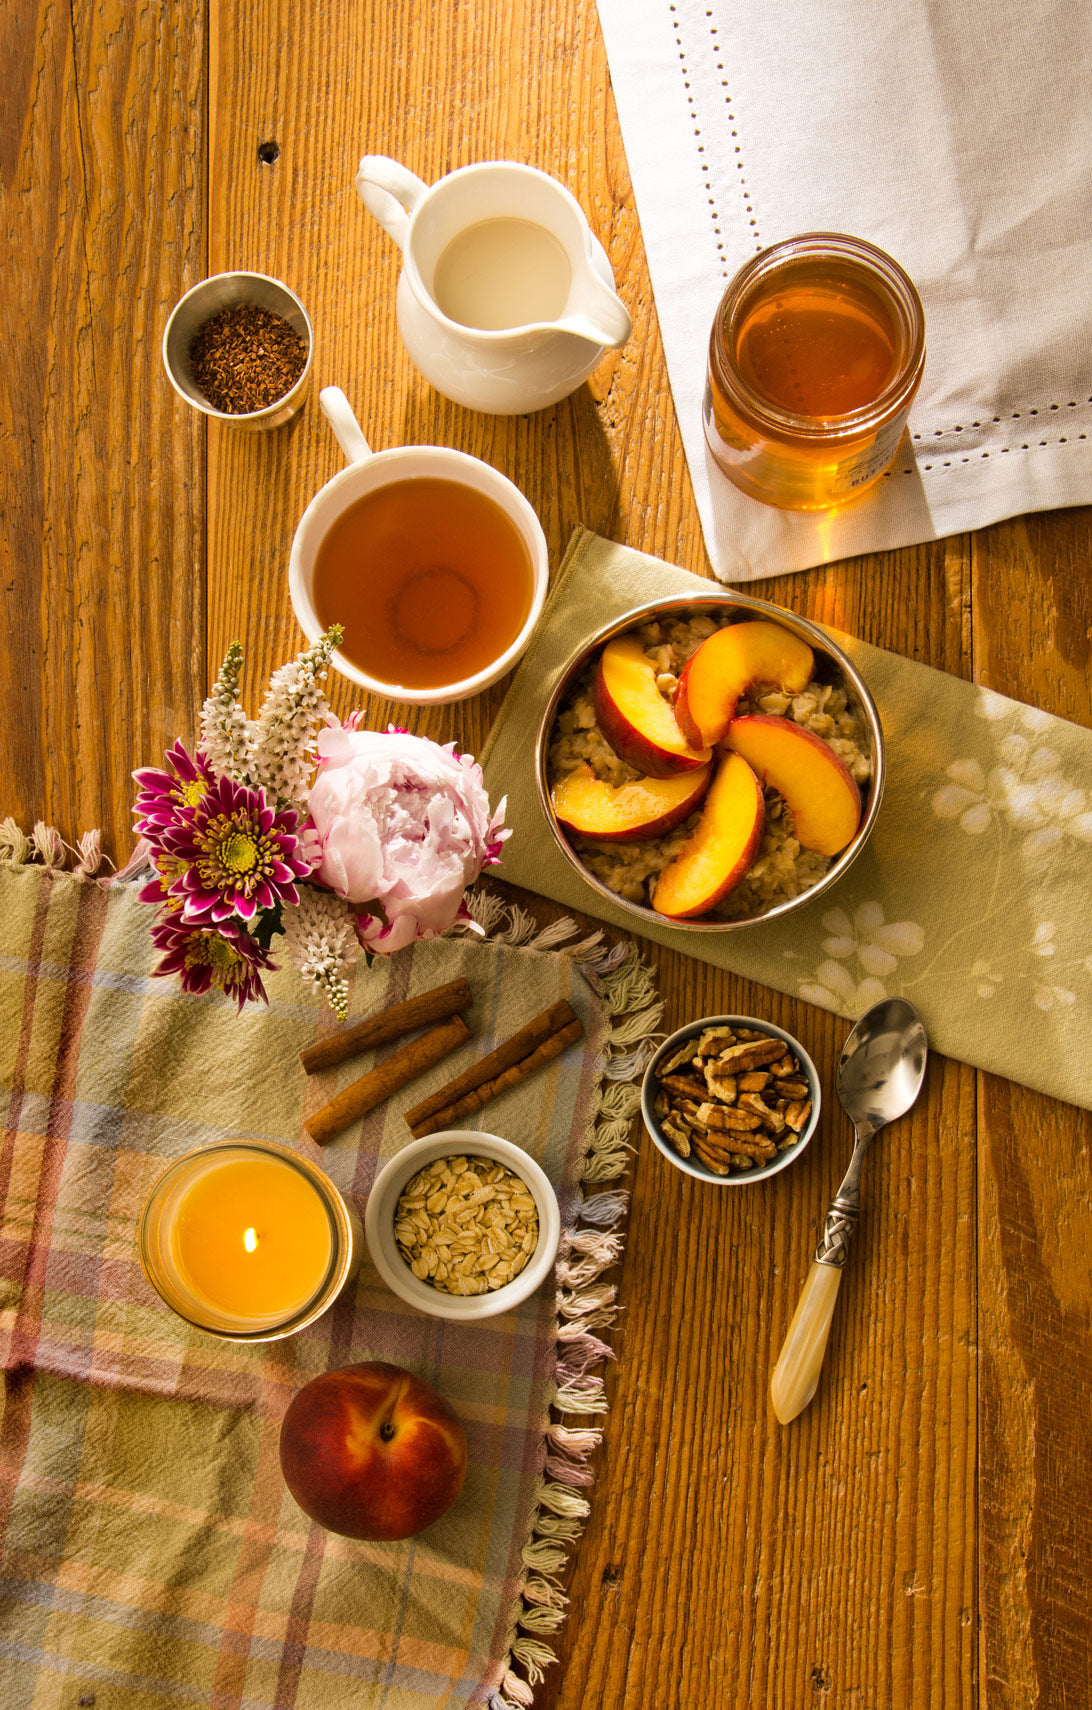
<point>466,1225</point>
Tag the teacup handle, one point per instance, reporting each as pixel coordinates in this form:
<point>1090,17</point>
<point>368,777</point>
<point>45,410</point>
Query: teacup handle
<point>389,191</point>
<point>347,431</point>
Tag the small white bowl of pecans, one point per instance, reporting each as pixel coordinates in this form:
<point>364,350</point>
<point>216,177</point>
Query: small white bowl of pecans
<point>462,1225</point>
<point>731,1099</point>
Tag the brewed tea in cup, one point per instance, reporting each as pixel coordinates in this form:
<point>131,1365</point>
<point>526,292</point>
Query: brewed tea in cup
<point>432,561</point>
<point>430,580</point>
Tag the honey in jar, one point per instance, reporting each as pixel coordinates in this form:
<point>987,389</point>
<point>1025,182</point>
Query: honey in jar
<point>816,352</point>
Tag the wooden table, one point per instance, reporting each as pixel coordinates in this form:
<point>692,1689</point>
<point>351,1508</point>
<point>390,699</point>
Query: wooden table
<point>923,1535</point>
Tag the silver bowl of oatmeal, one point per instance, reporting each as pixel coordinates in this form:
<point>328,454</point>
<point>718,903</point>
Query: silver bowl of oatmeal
<point>779,874</point>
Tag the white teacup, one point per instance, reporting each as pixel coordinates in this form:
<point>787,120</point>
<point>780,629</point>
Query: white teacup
<point>370,470</point>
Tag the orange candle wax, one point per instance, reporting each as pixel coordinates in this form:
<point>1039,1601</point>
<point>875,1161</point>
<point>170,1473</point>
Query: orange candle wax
<point>247,1239</point>
<point>251,1237</point>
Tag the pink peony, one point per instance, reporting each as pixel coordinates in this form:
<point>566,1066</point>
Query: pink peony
<point>403,823</point>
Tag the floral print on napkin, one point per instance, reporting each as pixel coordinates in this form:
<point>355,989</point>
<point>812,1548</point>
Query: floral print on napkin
<point>973,896</point>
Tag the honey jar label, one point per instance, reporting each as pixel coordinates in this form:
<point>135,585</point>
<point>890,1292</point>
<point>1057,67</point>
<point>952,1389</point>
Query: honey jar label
<point>871,460</point>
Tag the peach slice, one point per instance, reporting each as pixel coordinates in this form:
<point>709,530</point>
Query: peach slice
<point>622,813</point>
<point>820,791</point>
<point>634,717</point>
<point>730,662</point>
<point>721,850</point>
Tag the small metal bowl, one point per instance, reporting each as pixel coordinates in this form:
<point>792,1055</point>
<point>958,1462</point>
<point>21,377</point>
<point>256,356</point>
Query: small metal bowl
<point>693,1166</point>
<point>228,291</point>
<point>392,1267</point>
<point>831,665</point>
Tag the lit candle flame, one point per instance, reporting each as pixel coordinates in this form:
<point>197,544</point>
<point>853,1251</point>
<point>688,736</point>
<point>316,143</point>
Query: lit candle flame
<point>250,1240</point>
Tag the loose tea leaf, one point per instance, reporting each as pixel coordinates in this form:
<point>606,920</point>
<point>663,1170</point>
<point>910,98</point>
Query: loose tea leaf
<point>245,358</point>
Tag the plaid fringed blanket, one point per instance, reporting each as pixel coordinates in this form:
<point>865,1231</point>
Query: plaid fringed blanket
<point>150,1548</point>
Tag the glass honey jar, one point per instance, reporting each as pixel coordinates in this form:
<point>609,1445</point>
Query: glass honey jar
<point>816,352</point>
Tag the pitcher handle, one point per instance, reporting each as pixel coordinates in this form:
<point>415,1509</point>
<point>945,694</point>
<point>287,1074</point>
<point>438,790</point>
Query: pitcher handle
<point>389,191</point>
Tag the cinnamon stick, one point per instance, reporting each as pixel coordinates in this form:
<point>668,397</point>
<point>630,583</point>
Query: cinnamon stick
<point>492,1077</point>
<point>434,1005</point>
<point>521,1044</point>
<point>364,1094</point>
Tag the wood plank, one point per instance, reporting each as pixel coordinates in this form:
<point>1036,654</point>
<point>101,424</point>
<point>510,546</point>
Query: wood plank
<point>724,1554</point>
<point>1035,1208</point>
<point>102,550</point>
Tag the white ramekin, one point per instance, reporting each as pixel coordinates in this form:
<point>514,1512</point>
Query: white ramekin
<point>379,1224</point>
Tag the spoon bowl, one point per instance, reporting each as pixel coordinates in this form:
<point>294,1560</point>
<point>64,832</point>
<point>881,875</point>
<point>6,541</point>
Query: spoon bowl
<point>882,1064</point>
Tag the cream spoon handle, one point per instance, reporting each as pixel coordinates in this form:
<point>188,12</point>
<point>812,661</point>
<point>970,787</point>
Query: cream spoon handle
<point>800,1361</point>
<point>796,1373</point>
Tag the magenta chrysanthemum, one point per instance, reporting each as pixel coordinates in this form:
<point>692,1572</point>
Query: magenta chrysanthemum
<point>166,797</point>
<point>169,869</point>
<point>242,857</point>
<point>224,956</point>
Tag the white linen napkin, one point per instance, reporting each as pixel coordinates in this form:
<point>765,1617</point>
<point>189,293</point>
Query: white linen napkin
<point>959,139</point>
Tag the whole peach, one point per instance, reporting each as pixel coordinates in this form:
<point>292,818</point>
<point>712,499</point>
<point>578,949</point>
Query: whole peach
<point>371,1451</point>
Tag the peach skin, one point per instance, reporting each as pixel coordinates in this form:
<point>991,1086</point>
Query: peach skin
<point>820,791</point>
<point>371,1451</point>
<point>726,665</point>
<point>634,717</point>
<point>622,813</point>
<point>722,848</point>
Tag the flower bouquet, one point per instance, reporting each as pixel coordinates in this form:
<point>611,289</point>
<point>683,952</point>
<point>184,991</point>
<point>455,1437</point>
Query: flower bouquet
<point>345,840</point>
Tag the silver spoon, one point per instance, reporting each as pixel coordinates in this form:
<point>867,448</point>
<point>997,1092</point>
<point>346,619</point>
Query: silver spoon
<point>879,1076</point>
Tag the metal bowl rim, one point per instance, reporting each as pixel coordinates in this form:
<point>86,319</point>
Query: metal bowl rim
<point>789,620</point>
<point>695,1168</point>
<point>246,418</point>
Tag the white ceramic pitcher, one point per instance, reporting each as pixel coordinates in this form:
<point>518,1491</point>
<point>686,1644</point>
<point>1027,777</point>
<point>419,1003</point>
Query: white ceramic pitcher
<point>522,367</point>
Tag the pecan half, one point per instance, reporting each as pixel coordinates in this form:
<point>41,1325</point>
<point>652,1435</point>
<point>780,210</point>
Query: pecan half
<point>727,1117</point>
<point>752,1054</point>
<point>719,1082</point>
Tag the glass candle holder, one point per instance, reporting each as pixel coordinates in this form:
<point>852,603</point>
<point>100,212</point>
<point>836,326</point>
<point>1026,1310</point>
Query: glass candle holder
<point>817,349</point>
<point>248,1240</point>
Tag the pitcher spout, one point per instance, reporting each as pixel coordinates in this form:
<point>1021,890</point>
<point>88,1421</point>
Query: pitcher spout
<point>595,312</point>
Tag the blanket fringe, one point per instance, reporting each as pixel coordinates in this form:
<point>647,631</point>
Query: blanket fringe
<point>46,847</point>
<point>519,1693</point>
<point>585,1302</point>
<point>15,845</point>
<point>534,1656</point>
<point>564,1526</point>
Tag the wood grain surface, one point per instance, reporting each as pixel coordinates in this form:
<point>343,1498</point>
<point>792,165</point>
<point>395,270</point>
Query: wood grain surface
<point>922,1537</point>
<point>102,170</point>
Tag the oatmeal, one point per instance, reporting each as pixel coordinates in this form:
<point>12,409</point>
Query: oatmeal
<point>466,1225</point>
<point>781,869</point>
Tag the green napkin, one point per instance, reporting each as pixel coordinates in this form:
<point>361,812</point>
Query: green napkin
<point>972,896</point>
